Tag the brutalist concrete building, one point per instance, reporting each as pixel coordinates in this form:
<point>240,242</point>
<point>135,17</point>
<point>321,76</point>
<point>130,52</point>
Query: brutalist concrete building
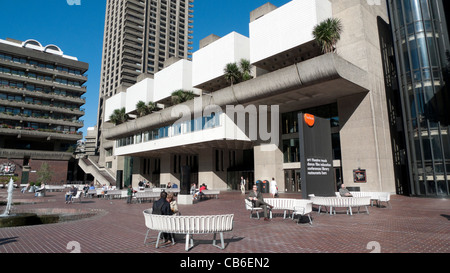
<point>41,99</point>
<point>383,91</point>
<point>139,37</point>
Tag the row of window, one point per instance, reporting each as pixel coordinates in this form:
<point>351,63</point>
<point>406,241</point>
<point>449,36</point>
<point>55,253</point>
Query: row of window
<point>36,114</point>
<point>22,60</point>
<point>194,125</point>
<point>38,101</point>
<point>37,88</point>
<point>35,76</point>
<point>37,126</point>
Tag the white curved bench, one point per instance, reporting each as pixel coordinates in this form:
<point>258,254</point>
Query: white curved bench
<point>210,193</point>
<point>284,204</point>
<point>297,206</point>
<point>249,206</point>
<point>341,202</point>
<point>189,225</point>
<point>143,195</point>
<point>374,196</point>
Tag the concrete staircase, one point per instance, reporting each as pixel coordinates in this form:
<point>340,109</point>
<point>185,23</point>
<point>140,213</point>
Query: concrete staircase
<point>102,175</point>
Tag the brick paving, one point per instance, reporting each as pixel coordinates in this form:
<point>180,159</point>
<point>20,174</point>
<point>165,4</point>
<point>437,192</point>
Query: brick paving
<point>413,225</point>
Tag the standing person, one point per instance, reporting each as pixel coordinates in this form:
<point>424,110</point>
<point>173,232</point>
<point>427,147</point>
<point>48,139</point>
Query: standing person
<point>258,201</point>
<point>243,183</point>
<point>273,188</point>
<point>162,207</point>
<point>130,192</point>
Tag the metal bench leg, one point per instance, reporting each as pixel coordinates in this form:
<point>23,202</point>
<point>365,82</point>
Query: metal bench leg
<point>157,240</point>
<point>189,239</point>
<point>221,241</point>
<point>146,235</point>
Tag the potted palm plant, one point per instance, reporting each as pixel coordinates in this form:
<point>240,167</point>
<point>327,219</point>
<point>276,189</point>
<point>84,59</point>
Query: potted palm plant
<point>327,33</point>
<point>181,96</point>
<point>119,116</point>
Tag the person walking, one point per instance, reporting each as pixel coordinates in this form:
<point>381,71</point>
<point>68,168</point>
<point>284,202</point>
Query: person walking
<point>273,188</point>
<point>130,192</point>
<point>243,183</point>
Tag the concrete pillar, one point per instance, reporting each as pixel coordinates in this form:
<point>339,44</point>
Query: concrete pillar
<point>364,118</point>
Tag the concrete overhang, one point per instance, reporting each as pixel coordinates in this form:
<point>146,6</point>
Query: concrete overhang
<point>35,154</point>
<point>314,82</point>
<point>194,148</point>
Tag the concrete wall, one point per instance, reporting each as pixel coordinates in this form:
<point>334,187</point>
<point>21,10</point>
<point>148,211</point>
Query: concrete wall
<point>115,102</point>
<point>172,78</point>
<point>364,119</point>
<point>209,61</point>
<point>141,91</point>
<point>286,27</point>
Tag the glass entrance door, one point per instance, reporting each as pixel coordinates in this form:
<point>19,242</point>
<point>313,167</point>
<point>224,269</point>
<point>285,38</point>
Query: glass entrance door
<point>292,181</point>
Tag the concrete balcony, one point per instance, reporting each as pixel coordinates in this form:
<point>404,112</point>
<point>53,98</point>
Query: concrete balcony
<point>49,121</point>
<point>51,109</point>
<point>42,70</point>
<point>35,154</point>
<point>40,134</point>
<point>49,83</point>
<point>37,94</point>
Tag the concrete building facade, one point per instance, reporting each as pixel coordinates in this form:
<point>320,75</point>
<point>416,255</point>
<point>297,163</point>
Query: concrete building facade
<point>41,99</point>
<point>139,37</point>
<point>250,129</point>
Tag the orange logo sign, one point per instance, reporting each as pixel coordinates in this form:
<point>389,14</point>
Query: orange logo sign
<point>309,119</point>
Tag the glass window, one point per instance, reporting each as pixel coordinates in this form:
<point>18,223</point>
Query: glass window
<point>291,150</point>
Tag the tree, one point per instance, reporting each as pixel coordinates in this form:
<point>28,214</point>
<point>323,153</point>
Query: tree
<point>44,174</point>
<point>152,107</point>
<point>327,33</point>
<point>235,73</point>
<point>181,96</point>
<point>245,68</point>
<point>141,108</point>
<point>119,116</point>
<point>232,73</point>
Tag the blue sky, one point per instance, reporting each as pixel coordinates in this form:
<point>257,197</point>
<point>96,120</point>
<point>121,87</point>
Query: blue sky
<point>78,30</point>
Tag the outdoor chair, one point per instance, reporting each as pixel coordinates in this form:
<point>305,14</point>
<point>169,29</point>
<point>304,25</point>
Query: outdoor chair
<point>385,197</point>
<point>77,197</point>
<point>249,206</point>
<point>302,207</point>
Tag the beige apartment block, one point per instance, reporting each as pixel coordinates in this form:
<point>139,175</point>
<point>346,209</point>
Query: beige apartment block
<point>139,36</point>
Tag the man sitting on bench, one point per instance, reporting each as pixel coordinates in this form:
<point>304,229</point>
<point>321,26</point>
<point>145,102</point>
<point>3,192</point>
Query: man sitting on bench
<point>258,201</point>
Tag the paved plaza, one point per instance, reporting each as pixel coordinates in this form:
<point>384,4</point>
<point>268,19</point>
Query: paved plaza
<point>412,225</point>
